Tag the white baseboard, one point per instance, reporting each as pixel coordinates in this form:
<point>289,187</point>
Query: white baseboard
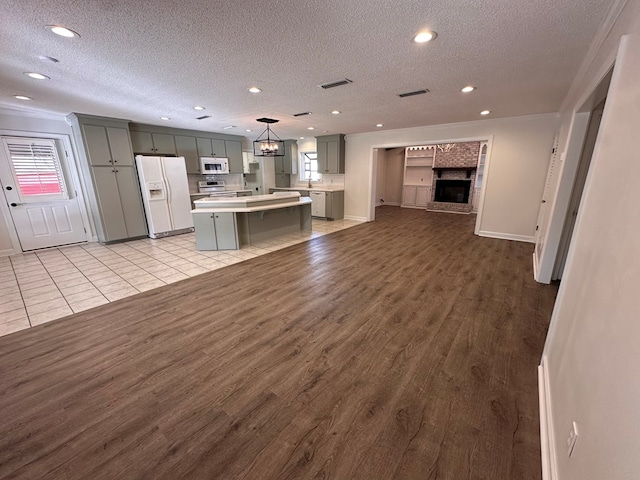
<point>8,251</point>
<point>507,236</point>
<point>547,442</point>
<point>535,267</point>
<point>356,219</point>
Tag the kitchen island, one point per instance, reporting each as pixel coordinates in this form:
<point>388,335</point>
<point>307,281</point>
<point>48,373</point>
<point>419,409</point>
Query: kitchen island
<point>230,223</point>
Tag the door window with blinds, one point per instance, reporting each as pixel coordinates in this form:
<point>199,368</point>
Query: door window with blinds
<point>35,164</point>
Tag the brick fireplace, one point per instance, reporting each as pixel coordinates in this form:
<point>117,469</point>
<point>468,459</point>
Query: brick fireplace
<point>454,178</point>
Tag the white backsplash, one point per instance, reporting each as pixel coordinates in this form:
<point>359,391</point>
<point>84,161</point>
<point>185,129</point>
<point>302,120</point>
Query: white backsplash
<point>327,181</point>
<point>232,181</point>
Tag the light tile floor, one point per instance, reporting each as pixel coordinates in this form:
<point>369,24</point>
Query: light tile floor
<point>41,286</point>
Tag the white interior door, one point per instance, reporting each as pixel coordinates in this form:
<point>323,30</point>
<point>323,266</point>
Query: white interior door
<point>549,190</point>
<point>44,210</point>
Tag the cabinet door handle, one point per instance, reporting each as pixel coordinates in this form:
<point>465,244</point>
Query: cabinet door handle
<point>115,161</point>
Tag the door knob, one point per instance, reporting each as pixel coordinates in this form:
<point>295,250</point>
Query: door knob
<point>14,204</point>
<point>9,187</point>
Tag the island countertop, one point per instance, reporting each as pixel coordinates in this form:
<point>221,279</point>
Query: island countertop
<point>312,189</point>
<point>255,203</point>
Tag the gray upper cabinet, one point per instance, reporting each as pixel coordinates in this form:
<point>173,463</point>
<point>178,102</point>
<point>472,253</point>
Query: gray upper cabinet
<point>330,149</point>
<point>97,142</point>
<point>212,147</point>
<point>233,151</point>
<point>152,143</point>
<point>108,145</point>
<point>286,164</point>
<point>188,148</point>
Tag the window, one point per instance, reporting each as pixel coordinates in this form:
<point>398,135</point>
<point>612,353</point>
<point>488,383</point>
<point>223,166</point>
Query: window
<point>481,161</point>
<point>309,167</point>
<point>36,168</point>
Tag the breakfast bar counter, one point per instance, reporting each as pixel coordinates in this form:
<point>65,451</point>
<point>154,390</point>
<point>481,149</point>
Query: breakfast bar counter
<point>230,223</point>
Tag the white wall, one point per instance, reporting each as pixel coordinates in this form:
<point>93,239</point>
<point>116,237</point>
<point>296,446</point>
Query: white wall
<point>12,122</point>
<point>394,173</point>
<point>592,353</point>
<point>514,181</point>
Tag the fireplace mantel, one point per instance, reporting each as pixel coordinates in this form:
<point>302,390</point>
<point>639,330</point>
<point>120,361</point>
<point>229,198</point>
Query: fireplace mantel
<point>439,170</point>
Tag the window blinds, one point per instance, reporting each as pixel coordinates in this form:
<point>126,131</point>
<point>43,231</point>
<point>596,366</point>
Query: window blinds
<point>36,167</point>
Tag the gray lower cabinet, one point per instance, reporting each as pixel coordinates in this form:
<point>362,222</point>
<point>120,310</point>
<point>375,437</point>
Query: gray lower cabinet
<point>216,231</point>
<point>187,147</point>
<point>118,196</point>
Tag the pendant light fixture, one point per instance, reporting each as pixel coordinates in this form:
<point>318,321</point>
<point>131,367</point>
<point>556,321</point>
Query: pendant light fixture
<point>265,145</point>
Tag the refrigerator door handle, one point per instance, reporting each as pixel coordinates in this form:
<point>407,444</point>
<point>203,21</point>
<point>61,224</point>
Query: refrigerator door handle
<point>167,189</point>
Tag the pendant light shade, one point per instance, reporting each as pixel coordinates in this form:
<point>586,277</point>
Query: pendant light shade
<point>268,144</point>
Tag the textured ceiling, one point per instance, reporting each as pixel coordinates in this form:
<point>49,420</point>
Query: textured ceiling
<point>144,59</point>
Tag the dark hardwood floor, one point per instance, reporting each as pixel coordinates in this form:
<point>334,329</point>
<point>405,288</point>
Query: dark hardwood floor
<point>405,348</point>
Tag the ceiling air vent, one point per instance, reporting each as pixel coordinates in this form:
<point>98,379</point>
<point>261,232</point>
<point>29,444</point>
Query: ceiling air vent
<point>339,83</point>
<point>301,114</point>
<point>411,94</point>
<point>203,117</point>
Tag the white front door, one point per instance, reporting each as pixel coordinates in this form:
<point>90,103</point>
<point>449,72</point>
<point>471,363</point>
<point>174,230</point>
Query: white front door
<point>44,210</point>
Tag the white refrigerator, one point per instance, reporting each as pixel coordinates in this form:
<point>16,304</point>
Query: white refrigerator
<point>165,195</point>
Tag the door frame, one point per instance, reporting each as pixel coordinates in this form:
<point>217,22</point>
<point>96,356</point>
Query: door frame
<point>570,158</point>
<point>68,162</point>
<point>373,169</point>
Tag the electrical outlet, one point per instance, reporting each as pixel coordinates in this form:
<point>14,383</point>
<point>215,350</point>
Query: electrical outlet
<point>571,439</point>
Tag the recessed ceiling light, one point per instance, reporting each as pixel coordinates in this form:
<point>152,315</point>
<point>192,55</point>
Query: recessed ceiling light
<point>379,125</point>
<point>198,107</point>
<point>301,138</point>
<point>228,127</point>
<point>424,37</point>
<point>62,31</point>
<point>248,130</point>
<point>485,112</point>
<point>336,112</point>
<point>37,76</point>
<point>255,90</point>
<point>165,118</point>
<point>47,58</point>
<point>310,128</point>
<point>22,97</point>
<point>468,88</point>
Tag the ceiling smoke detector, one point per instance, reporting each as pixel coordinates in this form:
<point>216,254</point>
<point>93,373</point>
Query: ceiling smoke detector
<point>337,83</point>
<point>411,94</point>
<point>203,117</point>
<point>301,114</point>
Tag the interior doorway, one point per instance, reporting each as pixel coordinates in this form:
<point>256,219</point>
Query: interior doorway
<point>578,187</point>
<point>408,175</point>
<point>566,182</point>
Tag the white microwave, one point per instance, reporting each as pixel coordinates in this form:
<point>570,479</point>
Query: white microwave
<point>214,165</point>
